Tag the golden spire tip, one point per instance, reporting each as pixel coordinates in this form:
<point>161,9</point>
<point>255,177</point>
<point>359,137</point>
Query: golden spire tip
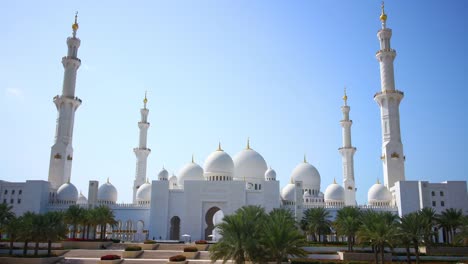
<point>192,159</point>
<point>383,16</point>
<point>219,146</point>
<point>345,97</point>
<point>378,181</point>
<point>75,25</point>
<point>305,158</point>
<point>145,100</point>
<point>334,180</point>
<point>248,143</point>
<point>108,180</point>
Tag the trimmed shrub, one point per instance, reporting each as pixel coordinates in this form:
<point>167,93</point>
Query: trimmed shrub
<point>110,257</point>
<point>190,249</point>
<point>133,248</point>
<point>149,242</point>
<point>115,240</point>
<point>201,242</point>
<point>177,258</point>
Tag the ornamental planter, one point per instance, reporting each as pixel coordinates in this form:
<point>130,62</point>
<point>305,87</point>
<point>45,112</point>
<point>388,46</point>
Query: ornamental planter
<point>191,255</point>
<point>131,254</point>
<point>202,247</point>
<point>361,256</point>
<point>45,260</point>
<point>177,262</point>
<point>149,246</point>
<point>86,244</point>
<point>114,261</point>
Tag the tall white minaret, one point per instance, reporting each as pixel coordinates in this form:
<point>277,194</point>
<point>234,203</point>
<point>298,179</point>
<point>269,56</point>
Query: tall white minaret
<point>347,155</point>
<point>389,100</point>
<point>61,154</point>
<point>142,151</point>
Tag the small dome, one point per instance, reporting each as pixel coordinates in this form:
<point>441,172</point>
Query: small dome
<point>379,194</point>
<point>107,193</point>
<point>173,182</point>
<point>82,199</point>
<point>144,193</point>
<point>308,174</point>
<point>219,163</point>
<point>270,175</point>
<point>163,175</point>
<point>334,193</point>
<point>67,192</point>
<point>288,192</point>
<point>249,165</point>
<point>190,172</point>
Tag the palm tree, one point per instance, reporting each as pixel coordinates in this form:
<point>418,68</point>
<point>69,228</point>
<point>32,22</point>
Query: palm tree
<point>316,221</point>
<point>104,216</point>
<point>281,237</point>
<point>462,235</point>
<point>5,217</point>
<point>429,217</point>
<point>55,228</point>
<point>379,230</point>
<point>73,216</point>
<point>13,229</point>
<point>240,233</point>
<point>449,220</point>
<point>347,223</point>
<point>25,233</point>
<point>412,227</point>
<point>37,230</point>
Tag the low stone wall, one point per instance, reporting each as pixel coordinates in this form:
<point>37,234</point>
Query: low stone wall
<point>191,255</point>
<point>86,244</point>
<point>132,254</point>
<point>361,256</point>
<point>444,250</point>
<point>13,260</point>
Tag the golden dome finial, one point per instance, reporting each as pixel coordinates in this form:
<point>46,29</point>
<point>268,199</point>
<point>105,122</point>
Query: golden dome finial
<point>75,25</point>
<point>334,180</point>
<point>108,180</point>
<point>147,181</point>
<point>345,97</point>
<point>305,158</point>
<point>68,179</point>
<point>248,143</point>
<point>219,146</point>
<point>193,161</point>
<point>378,181</point>
<point>145,100</point>
<point>383,16</point>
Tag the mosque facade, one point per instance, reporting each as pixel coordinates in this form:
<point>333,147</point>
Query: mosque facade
<point>195,200</point>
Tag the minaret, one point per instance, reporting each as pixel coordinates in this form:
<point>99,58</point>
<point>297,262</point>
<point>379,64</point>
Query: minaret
<point>389,101</point>
<point>61,155</point>
<point>142,151</point>
<point>347,155</point>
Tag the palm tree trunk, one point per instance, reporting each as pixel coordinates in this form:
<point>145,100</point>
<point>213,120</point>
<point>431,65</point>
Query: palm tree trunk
<point>416,250</point>
<point>49,247</point>
<point>10,252</point>
<point>36,248</point>
<point>376,256</point>
<point>25,247</point>
<point>382,253</point>
<point>87,231</point>
<point>408,257</point>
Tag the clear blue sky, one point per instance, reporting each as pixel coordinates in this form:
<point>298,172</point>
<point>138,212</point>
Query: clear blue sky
<point>273,71</point>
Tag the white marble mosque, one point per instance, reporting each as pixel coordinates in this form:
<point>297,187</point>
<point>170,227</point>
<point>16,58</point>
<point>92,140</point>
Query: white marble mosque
<point>224,183</point>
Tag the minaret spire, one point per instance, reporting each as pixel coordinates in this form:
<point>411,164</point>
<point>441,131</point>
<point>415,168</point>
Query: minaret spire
<point>347,154</point>
<point>61,155</point>
<point>142,151</point>
<point>389,102</point>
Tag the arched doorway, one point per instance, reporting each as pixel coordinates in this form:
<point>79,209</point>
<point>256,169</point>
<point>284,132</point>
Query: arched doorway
<point>211,214</point>
<point>139,231</point>
<point>175,228</point>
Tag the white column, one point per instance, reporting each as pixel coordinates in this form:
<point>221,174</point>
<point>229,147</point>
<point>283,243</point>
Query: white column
<point>347,156</point>
<point>389,100</point>
<point>142,151</point>
<point>61,155</point>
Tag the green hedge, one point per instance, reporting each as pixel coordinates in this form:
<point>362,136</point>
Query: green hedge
<point>133,248</point>
<point>177,258</point>
<point>190,249</point>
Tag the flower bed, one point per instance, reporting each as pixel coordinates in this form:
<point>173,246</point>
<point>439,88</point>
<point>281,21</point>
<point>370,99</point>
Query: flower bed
<point>132,252</point>
<point>200,242</point>
<point>149,242</point>
<point>190,249</point>
<point>133,248</point>
<point>177,258</point>
<point>110,259</point>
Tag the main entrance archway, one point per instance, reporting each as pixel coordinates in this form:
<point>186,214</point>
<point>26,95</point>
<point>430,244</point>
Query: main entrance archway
<point>213,216</point>
<point>174,233</point>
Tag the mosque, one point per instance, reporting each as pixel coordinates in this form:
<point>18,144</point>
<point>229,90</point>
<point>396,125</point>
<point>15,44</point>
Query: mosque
<point>192,202</point>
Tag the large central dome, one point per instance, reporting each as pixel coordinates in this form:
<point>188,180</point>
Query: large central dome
<point>308,174</point>
<point>219,163</point>
<point>249,165</point>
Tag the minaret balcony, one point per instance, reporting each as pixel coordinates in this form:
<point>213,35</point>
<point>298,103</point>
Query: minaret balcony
<point>397,93</point>
<point>59,100</point>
